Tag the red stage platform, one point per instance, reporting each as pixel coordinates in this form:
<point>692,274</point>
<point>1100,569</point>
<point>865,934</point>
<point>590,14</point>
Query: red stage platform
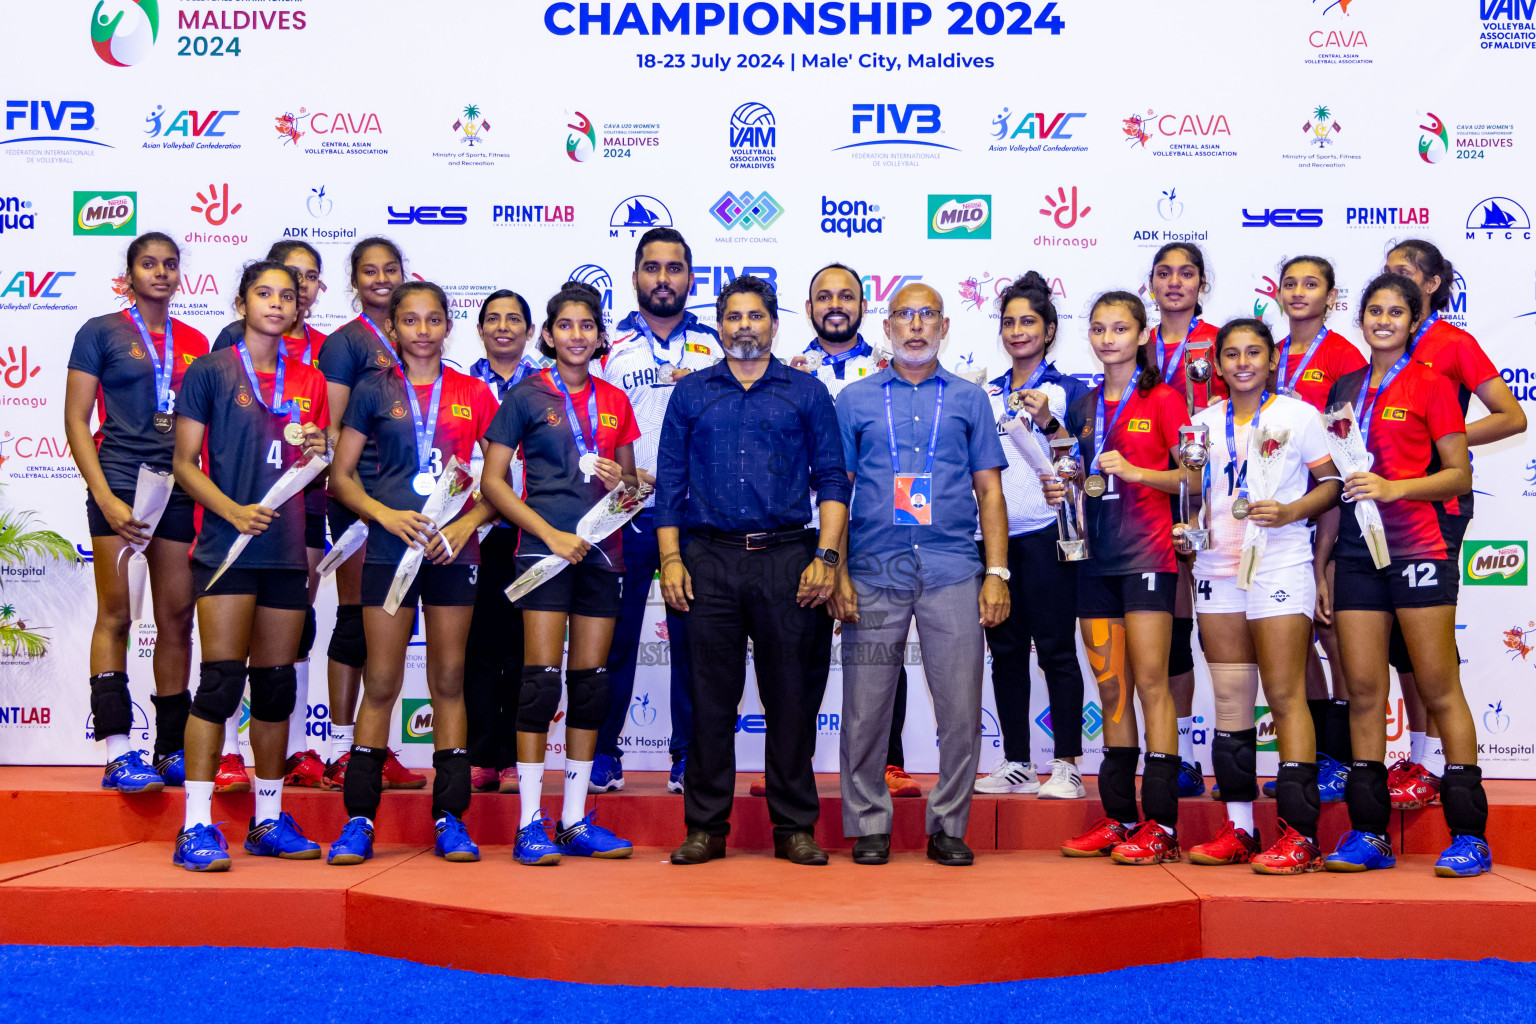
<point>81,866</point>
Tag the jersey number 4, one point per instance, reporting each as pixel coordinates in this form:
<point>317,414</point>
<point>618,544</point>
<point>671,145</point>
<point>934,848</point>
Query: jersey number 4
<point>275,454</point>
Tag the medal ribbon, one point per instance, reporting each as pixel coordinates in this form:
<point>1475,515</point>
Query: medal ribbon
<point>279,406</point>
<point>570,413</point>
<point>933,438</point>
<point>1100,432</point>
<point>836,362</point>
<point>164,366</point>
<point>1364,411</point>
<point>1242,492</point>
<point>1289,386</point>
<point>383,341</point>
<point>1424,327</point>
<point>1169,366</point>
<point>1033,382</point>
<point>424,428</point>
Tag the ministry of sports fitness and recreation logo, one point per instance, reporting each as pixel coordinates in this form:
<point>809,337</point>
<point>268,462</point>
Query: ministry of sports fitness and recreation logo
<point>124,33</point>
<point>754,136</point>
<point>1322,127</point>
<point>470,126</point>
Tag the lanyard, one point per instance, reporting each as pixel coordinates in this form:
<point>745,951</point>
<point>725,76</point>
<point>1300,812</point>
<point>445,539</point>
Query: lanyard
<point>279,406</point>
<point>1100,432</point>
<point>1288,387</point>
<point>308,354</point>
<point>1032,383</point>
<point>1364,411</point>
<point>162,366</point>
<point>837,361</point>
<point>1232,444</point>
<point>382,340</point>
<point>570,413</point>
<point>425,428</point>
<point>650,340</point>
<point>1425,326</point>
<point>1169,366</point>
<point>483,370</point>
<point>933,438</point>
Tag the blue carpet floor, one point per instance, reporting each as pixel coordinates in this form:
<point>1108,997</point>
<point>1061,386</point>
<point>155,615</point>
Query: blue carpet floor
<point>256,986</point>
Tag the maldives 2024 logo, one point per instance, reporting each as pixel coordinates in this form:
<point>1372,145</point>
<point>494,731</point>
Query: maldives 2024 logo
<point>124,36</point>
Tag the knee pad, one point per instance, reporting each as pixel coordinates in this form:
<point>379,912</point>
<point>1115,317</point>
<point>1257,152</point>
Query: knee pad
<point>348,645</point>
<point>1160,789</point>
<point>1296,796</point>
<point>219,689</point>
<point>1236,689</point>
<point>1370,805</point>
<point>1466,805</point>
<point>170,722</point>
<point>307,638</point>
<point>1181,656</point>
<point>274,691</point>
<point>1234,756</point>
<point>1117,782</point>
<point>539,698</point>
<point>1397,649</point>
<point>450,786</point>
<point>586,704</point>
<point>111,708</point>
<point>363,787</point>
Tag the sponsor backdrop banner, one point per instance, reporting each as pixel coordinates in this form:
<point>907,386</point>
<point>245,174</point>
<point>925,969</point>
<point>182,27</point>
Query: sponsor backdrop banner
<point>960,144</point>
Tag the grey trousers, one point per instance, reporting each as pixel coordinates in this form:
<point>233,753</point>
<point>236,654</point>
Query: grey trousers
<point>952,642</point>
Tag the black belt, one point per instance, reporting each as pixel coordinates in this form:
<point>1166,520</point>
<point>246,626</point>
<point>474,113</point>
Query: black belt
<point>756,541</point>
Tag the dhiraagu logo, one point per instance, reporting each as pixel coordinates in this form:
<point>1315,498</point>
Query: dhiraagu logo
<point>1494,563</point>
<point>415,720</point>
<point>951,216</point>
<point>124,33</point>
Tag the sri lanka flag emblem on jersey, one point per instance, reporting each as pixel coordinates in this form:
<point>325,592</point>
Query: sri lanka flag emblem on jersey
<point>691,346</point>
<point>1139,426</point>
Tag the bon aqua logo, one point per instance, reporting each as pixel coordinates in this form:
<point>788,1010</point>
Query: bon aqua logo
<point>126,36</point>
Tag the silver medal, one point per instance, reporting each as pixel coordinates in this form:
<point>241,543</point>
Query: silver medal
<point>588,466</point>
<point>424,484</point>
<point>1239,508</point>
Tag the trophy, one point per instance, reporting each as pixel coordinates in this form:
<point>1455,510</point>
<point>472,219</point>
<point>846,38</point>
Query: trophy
<point>1071,515</point>
<point>1194,451</point>
<point>1199,371</point>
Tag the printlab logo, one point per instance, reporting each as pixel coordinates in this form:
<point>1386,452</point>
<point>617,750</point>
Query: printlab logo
<point>1063,209</point>
<point>127,35</point>
<point>641,712</point>
<point>952,216</point>
<point>746,211</point>
<point>597,277</point>
<point>1034,130</point>
<point>1498,216</point>
<point>471,126</point>
<point>1322,127</point>
<point>215,206</point>
<point>1434,139</point>
<point>1093,721</point>
<point>754,136</point>
<point>581,139</point>
<point>106,213</point>
<point>1496,719</point>
<point>415,720</point>
<point>1496,563</point>
<point>637,214</point>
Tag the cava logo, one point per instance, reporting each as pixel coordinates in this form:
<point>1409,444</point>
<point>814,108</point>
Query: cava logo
<point>102,213</point>
<point>1495,563</point>
<point>124,36</point>
<point>951,216</point>
<point>415,720</point>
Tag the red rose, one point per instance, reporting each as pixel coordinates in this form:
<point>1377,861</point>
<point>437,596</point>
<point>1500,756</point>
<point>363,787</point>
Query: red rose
<point>1340,427</point>
<point>1269,448</point>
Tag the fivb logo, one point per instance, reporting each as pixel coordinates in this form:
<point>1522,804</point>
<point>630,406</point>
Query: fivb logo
<point>896,119</point>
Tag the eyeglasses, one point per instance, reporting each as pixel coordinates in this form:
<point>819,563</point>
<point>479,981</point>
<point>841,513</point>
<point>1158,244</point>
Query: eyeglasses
<point>927,315</point>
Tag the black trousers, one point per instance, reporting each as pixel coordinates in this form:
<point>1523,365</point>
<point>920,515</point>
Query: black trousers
<point>1043,600</point>
<point>740,595</point>
<point>493,656</point>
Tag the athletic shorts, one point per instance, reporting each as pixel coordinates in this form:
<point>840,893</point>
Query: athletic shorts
<point>450,586</point>
<point>576,590</point>
<point>1291,590</point>
<point>1110,597</point>
<point>175,524</point>
<point>338,517</point>
<point>287,589</point>
<point>1404,583</point>
<point>314,531</point>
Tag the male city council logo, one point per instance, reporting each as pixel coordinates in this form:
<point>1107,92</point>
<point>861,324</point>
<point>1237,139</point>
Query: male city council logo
<point>125,37</point>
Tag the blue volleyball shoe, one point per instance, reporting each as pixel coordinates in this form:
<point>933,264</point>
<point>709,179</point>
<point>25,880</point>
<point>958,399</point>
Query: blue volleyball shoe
<point>453,842</point>
<point>588,839</point>
<point>354,845</point>
<point>1361,851</point>
<point>129,774</point>
<point>1191,779</point>
<point>1466,857</point>
<point>280,837</point>
<point>675,776</point>
<point>533,845</point>
<point>1331,778</point>
<point>201,848</point>
<point>173,768</point>
<point>607,775</point>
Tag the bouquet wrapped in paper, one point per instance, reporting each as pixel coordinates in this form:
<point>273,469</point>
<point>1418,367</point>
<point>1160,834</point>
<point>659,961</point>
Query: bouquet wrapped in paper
<point>151,495</point>
<point>446,500</point>
<point>616,508</point>
<point>291,483</point>
<point>1350,456</point>
<point>1266,456</point>
<point>1022,432</point>
<point>343,548</point>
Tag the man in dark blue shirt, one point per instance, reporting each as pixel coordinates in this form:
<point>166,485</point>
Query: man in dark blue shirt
<point>743,445</point>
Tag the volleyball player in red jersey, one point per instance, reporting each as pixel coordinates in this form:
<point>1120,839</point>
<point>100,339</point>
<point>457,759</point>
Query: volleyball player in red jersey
<point>1407,415</point>
<point>1177,281</point>
<point>128,366</point>
<point>354,351</point>
<point>1126,429</point>
<point>302,342</point>
<point>248,414</point>
<point>1311,358</point>
<point>420,417</point>
<point>1451,352</point>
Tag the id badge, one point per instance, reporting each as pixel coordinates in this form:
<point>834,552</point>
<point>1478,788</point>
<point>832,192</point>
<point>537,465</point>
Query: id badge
<point>914,499</point>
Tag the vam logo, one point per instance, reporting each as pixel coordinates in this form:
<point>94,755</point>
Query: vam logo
<point>106,213</point>
<point>754,136</point>
<point>950,214</point>
<point>1497,563</point>
<point>123,34</point>
<point>415,720</point>
<point>597,277</point>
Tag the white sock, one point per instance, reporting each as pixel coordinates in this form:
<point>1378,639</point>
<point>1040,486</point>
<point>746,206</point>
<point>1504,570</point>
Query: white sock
<point>117,746</point>
<point>1130,826</point>
<point>1240,814</point>
<point>1187,739</point>
<point>269,799</point>
<point>1433,760</point>
<point>199,804</point>
<point>1416,746</point>
<point>530,790</point>
<point>232,734</point>
<point>297,741</point>
<point>341,740</point>
<point>577,775</point>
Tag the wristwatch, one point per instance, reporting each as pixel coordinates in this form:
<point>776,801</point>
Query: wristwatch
<point>1051,427</point>
<point>830,556</point>
<point>1000,572</point>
